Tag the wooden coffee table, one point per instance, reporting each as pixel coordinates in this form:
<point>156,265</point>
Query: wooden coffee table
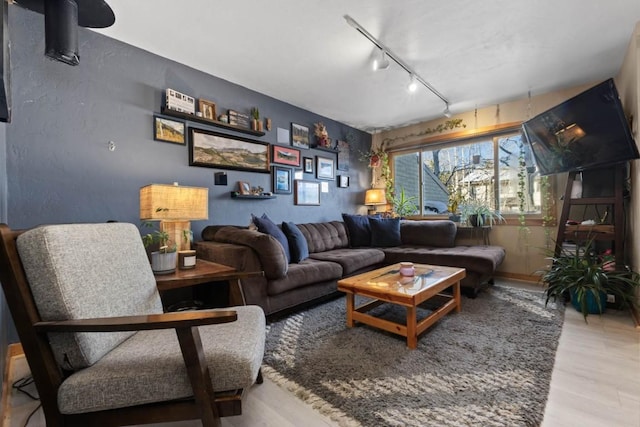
<point>386,285</point>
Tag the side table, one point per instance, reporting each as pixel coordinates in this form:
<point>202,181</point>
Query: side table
<point>205,272</point>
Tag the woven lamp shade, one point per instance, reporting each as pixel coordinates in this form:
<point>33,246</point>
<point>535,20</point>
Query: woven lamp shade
<point>375,196</point>
<point>173,202</point>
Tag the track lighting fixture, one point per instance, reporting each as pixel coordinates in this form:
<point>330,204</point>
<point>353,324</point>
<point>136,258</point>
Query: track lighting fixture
<point>381,63</point>
<point>415,78</point>
<point>446,112</point>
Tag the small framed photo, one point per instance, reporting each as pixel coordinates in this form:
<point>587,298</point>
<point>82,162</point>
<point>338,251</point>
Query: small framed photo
<point>325,168</point>
<point>207,108</point>
<point>244,187</point>
<point>308,164</point>
<point>299,136</point>
<point>307,193</point>
<point>343,181</point>
<point>169,130</point>
<point>286,156</point>
<point>282,179</point>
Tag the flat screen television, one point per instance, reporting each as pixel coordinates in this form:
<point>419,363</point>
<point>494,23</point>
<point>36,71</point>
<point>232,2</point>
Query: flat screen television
<point>585,132</point>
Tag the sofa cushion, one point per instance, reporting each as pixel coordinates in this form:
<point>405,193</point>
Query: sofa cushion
<point>438,233</point>
<point>352,259</point>
<point>325,236</point>
<point>358,230</point>
<point>305,273</point>
<point>265,225</point>
<point>270,252</point>
<point>297,243</point>
<point>385,232</point>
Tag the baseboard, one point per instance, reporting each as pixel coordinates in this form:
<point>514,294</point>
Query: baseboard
<point>13,351</point>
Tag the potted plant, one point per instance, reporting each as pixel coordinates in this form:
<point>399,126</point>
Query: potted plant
<point>480,215</point>
<point>586,278</point>
<point>163,260</point>
<point>404,205</point>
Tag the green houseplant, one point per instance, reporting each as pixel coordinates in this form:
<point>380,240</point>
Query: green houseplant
<point>480,215</point>
<point>587,277</point>
<point>404,205</point>
<point>163,254</point>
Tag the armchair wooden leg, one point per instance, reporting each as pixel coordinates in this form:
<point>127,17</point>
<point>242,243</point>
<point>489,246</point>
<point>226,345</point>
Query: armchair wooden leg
<point>259,380</point>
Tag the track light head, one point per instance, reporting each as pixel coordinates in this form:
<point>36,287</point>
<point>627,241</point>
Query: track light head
<point>382,62</point>
<point>413,84</point>
<point>447,112</point>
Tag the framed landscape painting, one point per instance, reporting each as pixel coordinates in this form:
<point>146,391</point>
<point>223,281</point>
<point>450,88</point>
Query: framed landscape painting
<point>217,150</point>
<point>168,130</point>
<point>286,156</point>
<point>307,193</point>
<point>299,136</point>
<point>325,168</point>
<point>282,179</point>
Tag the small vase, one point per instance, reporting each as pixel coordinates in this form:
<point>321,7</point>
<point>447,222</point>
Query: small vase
<point>163,263</point>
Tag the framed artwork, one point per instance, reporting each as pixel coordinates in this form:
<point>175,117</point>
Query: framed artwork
<point>343,181</point>
<point>307,193</point>
<point>244,187</point>
<point>169,130</point>
<point>325,168</point>
<point>217,150</point>
<point>308,164</point>
<point>207,108</point>
<point>299,136</point>
<point>343,155</point>
<point>282,179</point>
<point>286,156</point>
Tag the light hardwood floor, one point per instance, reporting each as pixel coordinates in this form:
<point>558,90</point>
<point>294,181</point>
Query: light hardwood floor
<point>595,382</point>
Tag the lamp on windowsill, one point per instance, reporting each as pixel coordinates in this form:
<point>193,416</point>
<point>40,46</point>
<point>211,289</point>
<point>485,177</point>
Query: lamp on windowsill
<point>174,206</point>
<point>374,197</point>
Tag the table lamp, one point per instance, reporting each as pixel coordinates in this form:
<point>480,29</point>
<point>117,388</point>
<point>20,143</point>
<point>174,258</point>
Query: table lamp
<point>374,197</point>
<point>174,206</point>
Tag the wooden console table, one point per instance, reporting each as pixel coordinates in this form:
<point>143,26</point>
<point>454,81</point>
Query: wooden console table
<point>205,272</point>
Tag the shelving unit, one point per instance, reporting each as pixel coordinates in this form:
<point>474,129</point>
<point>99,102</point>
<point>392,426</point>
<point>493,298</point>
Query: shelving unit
<point>202,120</point>
<point>250,196</point>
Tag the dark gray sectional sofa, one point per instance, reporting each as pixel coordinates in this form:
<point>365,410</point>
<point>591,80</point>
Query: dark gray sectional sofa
<point>286,285</point>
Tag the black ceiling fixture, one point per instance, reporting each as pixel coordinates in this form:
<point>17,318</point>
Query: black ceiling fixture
<point>61,19</point>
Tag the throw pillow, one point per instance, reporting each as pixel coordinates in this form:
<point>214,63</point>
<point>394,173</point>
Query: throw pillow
<point>358,230</point>
<point>385,232</point>
<point>266,226</point>
<point>297,243</point>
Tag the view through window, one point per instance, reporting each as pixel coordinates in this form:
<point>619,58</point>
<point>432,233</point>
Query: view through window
<point>493,171</point>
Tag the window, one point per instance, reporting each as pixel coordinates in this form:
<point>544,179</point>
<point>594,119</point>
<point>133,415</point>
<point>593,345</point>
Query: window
<point>495,170</point>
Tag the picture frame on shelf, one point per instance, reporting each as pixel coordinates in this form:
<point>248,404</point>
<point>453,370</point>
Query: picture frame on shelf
<point>217,150</point>
<point>343,181</point>
<point>343,155</point>
<point>208,109</point>
<point>325,168</point>
<point>169,130</point>
<point>282,180</point>
<point>308,164</point>
<point>285,156</point>
<point>180,102</point>
<point>299,136</point>
<point>307,193</point>
<point>244,188</point>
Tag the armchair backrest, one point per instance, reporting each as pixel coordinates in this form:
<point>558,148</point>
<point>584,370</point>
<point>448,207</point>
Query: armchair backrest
<point>80,271</point>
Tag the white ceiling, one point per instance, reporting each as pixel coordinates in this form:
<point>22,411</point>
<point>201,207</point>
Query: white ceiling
<point>475,53</point>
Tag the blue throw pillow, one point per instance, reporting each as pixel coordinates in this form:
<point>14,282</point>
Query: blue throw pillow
<point>358,230</point>
<point>297,243</point>
<point>265,225</point>
<point>385,232</point>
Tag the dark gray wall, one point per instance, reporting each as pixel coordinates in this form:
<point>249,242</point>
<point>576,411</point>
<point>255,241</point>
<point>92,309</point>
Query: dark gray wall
<point>58,165</point>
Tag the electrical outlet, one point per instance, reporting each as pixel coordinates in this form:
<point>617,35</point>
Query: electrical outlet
<point>611,298</point>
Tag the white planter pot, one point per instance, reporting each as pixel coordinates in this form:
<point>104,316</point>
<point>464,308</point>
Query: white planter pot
<point>163,263</point>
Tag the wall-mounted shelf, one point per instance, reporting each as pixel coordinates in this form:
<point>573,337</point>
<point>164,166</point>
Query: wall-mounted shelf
<point>330,150</point>
<point>250,196</point>
<point>216,123</point>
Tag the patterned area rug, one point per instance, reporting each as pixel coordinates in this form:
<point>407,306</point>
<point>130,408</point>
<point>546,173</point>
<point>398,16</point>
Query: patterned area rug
<point>489,365</point>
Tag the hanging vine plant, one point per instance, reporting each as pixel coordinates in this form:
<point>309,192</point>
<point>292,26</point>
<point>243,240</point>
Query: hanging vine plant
<point>523,229</point>
<point>447,125</point>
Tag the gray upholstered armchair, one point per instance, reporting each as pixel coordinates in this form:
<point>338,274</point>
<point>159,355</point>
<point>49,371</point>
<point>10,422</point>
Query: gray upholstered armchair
<point>100,349</point>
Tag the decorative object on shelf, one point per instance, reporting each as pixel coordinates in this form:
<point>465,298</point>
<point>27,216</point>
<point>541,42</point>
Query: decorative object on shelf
<point>322,136</point>
<point>174,206</point>
<point>223,118</point>
<point>307,193</point>
<point>286,156</point>
<point>220,123</point>
<point>186,260</point>
<point>282,179</point>
<point>263,196</point>
<point>256,124</point>
<point>325,168</point>
<point>267,123</point>
<point>374,197</point>
<point>180,102</point>
<point>244,187</point>
<point>168,130</point>
<point>308,164</point>
<point>217,150</point>
<point>207,108</point>
<point>588,277</point>
<point>343,155</point>
<point>299,136</point>
<point>343,181</point>
<point>239,119</point>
